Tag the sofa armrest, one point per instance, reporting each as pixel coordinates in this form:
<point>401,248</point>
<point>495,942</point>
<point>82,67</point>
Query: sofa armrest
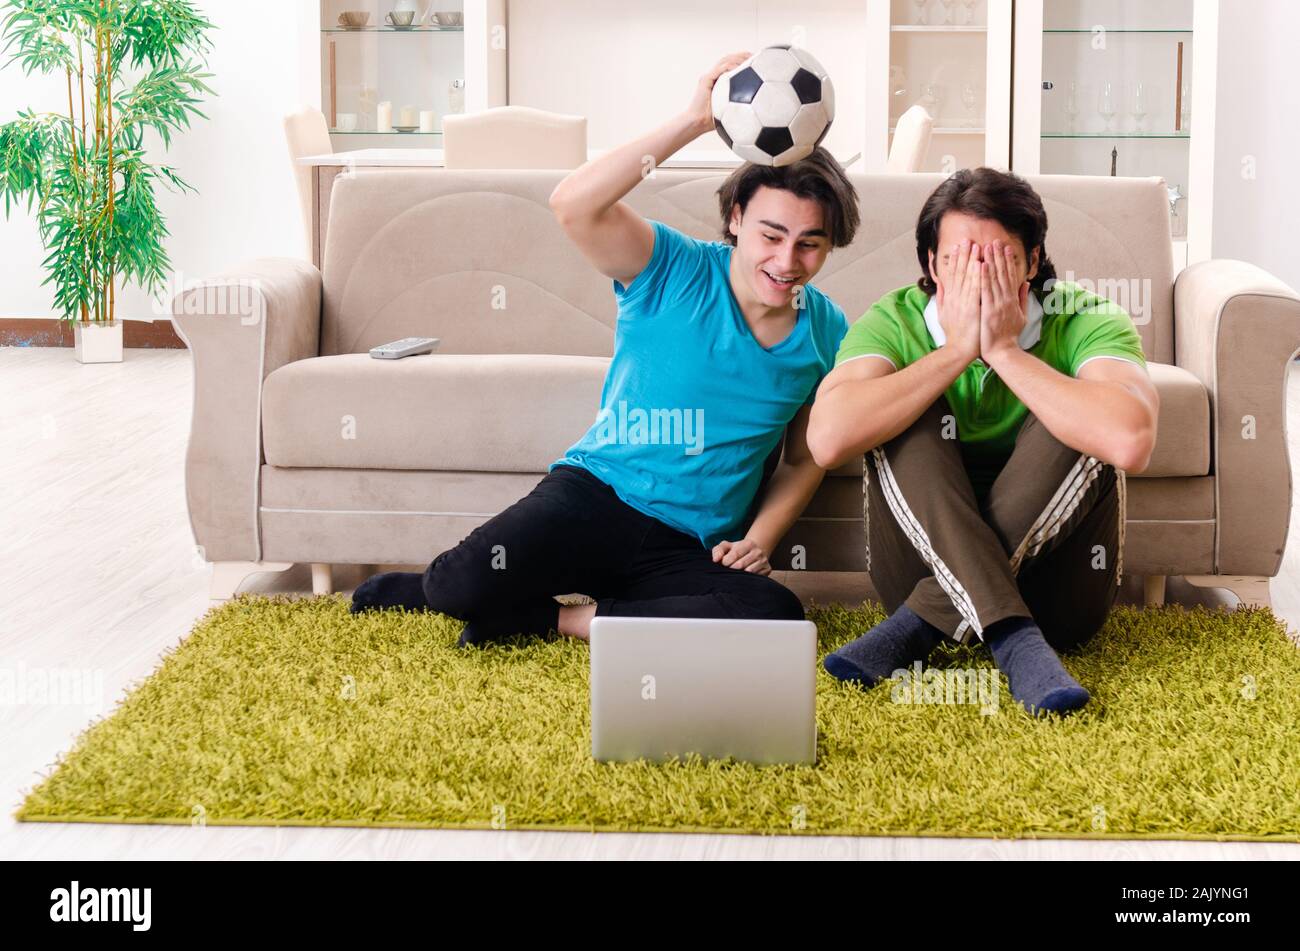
<point>1236,328</point>
<point>239,327</point>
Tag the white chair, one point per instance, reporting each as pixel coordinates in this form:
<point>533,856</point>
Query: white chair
<point>514,137</point>
<point>911,140</point>
<point>306,133</point>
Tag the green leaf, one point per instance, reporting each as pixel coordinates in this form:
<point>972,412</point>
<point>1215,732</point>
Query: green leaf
<point>40,166</point>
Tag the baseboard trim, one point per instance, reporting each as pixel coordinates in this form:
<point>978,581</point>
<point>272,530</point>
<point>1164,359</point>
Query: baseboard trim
<point>52,332</point>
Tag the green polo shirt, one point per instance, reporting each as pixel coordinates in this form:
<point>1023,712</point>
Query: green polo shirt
<point>1065,329</point>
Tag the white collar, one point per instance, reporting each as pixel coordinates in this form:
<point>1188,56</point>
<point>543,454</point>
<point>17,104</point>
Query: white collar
<point>1029,336</point>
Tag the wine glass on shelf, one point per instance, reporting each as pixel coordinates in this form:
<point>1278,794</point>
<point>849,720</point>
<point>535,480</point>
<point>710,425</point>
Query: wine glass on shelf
<point>970,99</point>
<point>1139,107</point>
<point>970,10</point>
<point>1106,104</point>
<point>920,11</point>
<point>1186,114</point>
<point>1071,107</point>
<point>947,11</point>
<point>931,99</point>
<point>897,85</point>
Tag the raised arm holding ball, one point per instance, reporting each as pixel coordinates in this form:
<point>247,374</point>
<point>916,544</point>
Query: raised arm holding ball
<point>723,343</point>
<point>589,203</point>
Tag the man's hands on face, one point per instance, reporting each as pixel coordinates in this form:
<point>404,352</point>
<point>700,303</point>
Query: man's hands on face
<point>958,299</point>
<point>982,306</point>
<point>1004,300</point>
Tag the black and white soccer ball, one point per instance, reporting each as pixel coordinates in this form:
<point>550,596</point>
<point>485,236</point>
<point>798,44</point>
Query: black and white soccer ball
<point>775,107</point>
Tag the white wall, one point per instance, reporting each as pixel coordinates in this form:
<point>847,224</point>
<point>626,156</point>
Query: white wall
<point>246,204</point>
<point>629,66</point>
<point>1258,118</point>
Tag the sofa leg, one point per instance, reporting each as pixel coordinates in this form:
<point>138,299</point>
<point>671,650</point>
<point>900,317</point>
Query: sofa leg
<point>322,579</point>
<point>1153,590</point>
<point>227,576</point>
<point>1252,590</point>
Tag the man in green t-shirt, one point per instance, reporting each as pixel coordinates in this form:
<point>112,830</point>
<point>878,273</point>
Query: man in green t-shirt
<point>999,409</point>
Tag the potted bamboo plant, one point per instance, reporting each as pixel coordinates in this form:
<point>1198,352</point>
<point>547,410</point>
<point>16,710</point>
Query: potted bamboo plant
<point>130,65</point>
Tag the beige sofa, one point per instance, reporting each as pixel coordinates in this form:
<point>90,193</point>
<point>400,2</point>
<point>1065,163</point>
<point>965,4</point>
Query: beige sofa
<point>304,449</point>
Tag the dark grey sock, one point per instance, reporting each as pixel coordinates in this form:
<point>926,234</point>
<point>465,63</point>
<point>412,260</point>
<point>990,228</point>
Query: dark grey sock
<point>392,589</point>
<point>895,643</point>
<point>1038,679</point>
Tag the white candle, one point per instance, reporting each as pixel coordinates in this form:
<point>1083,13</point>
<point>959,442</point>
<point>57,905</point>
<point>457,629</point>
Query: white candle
<point>408,116</point>
<point>385,117</point>
<point>427,120</point>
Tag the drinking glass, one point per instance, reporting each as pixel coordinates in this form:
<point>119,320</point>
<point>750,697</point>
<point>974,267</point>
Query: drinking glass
<point>1071,107</point>
<point>970,99</point>
<point>932,99</point>
<point>897,83</point>
<point>1139,107</point>
<point>1106,104</point>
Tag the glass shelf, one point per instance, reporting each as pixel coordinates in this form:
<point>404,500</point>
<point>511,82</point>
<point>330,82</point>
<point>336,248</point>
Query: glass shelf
<point>938,29</point>
<point>363,132</point>
<point>389,29</point>
<point>1107,30</point>
<point>1116,135</point>
<point>949,130</point>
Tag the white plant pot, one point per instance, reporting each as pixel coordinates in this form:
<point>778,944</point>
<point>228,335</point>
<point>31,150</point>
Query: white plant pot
<point>98,342</point>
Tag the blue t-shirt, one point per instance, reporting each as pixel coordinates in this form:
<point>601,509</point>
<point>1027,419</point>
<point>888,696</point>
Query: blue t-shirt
<point>692,404</point>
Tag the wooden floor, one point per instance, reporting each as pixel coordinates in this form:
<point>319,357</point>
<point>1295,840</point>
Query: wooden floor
<point>98,575</point>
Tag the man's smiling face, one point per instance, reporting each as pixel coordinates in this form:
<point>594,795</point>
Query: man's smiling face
<point>781,243</point>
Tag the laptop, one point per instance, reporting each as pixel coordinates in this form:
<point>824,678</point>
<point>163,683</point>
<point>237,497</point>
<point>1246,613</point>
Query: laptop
<point>667,687</point>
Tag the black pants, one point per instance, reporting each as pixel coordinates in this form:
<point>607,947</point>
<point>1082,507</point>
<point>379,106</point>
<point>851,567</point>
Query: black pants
<point>573,534</point>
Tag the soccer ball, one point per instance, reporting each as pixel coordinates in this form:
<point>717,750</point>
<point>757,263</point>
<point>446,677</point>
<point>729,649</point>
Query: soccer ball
<point>775,107</point>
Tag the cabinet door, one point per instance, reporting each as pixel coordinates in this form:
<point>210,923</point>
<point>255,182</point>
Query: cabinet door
<point>1105,87</point>
<point>953,57</point>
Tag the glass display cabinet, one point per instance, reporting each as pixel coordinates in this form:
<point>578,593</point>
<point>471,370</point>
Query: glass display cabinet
<point>1111,88</point>
<point>391,69</point>
<point>954,58</point>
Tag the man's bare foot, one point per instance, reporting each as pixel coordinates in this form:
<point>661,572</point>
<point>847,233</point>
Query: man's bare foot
<point>575,620</point>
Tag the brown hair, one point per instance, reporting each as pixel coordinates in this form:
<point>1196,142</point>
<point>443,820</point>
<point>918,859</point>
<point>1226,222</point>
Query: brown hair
<point>818,177</point>
<point>993,196</point>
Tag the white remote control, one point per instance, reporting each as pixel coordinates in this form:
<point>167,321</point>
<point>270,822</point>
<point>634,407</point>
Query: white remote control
<point>406,347</point>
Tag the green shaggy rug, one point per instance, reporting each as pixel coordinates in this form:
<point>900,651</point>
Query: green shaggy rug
<point>281,711</point>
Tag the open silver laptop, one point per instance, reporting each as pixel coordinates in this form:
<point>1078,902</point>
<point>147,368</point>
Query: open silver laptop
<point>664,687</point>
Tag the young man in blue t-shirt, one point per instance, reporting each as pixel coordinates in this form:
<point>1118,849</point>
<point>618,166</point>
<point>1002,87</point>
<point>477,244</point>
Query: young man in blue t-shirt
<point>718,351</point>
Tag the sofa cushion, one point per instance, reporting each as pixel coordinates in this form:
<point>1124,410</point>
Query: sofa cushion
<point>1183,430</point>
<point>457,412</point>
<point>520,412</point>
